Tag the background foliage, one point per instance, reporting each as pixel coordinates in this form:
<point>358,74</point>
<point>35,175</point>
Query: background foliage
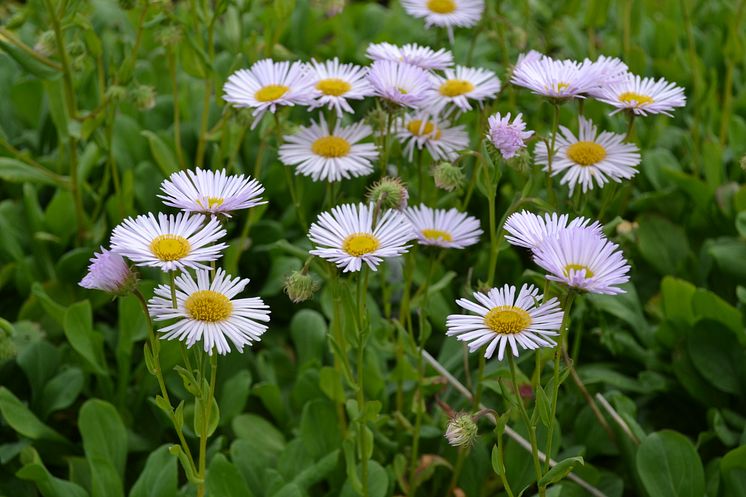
<point>101,101</point>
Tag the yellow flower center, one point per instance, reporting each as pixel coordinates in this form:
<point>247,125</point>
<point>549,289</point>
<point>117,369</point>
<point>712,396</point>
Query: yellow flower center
<point>211,202</point>
<point>437,235</point>
<point>441,6</point>
<point>359,244</point>
<point>270,92</point>
<point>333,86</point>
<point>562,86</point>
<point>417,128</point>
<point>455,87</point>
<point>507,319</point>
<point>402,90</point>
<point>331,146</point>
<point>578,267</point>
<point>586,153</point>
<point>208,306</point>
<point>629,96</point>
<point>170,247</point>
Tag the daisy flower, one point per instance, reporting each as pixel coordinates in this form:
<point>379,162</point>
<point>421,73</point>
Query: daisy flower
<point>643,96</point>
<point>411,53</point>
<point>443,228</point>
<point>211,192</point>
<point>267,85</point>
<point>329,155</point>
<point>463,84</point>
<point>605,71</point>
<point>423,131</point>
<point>334,83</point>
<point>399,83</point>
<point>503,318</point>
<point>584,259</point>
<point>446,13</point>
<point>348,237</point>
<point>590,156</point>
<point>508,137</point>
<point>110,273</point>
<point>206,310</point>
<point>553,78</point>
<point>170,242</point>
<point>526,229</point>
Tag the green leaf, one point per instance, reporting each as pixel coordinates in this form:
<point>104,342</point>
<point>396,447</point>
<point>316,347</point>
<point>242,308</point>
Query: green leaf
<point>708,305</point>
<point>61,391</point>
<point>224,479</point>
<point>260,431</point>
<point>662,244</point>
<point>28,63</point>
<point>162,153</point>
<point>669,466</point>
<point>560,470</point>
<point>48,485</point>
<point>105,445</point>
<point>330,382</point>
<point>16,171</point>
<point>23,421</point>
<point>234,395</point>
<point>319,428</point>
<point>308,329</point>
<point>718,356</point>
<point>378,482</point>
<point>78,327</point>
<point>733,470</point>
<point>159,476</point>
<point>677,300</point>
<point>214,420</point>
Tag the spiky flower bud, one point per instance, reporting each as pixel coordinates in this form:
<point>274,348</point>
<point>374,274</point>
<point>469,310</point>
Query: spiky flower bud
<point>389,193</point>
<point>46,44</point>
<point>300,286</point>
<point>462,431</point>
<point>448,177</point>
<point>116,93</point>
<point>143,96</point>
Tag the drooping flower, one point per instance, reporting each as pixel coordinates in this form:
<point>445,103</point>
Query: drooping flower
<point>399,83</point>
<point>443,228</point>
<point>526,229</point>
<point>327,154</point>
<point>110,273</point>
<point>349,237</point>
<point>421,130</point>
<point>207,310</point>
<point>411,53</point>
<point>502,319</point>
<point>508,137</point>
<point>335,83</point>
<point>643,96</point>
<point>591,156</point>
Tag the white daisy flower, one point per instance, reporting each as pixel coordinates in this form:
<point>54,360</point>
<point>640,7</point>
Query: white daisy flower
<point>207,311</point>
<point>442,140</point>
<point>553,78</point>
<point>329,155</point>
<point>584,259</point>
<point>335,83</point>
<point>348,237</point>
<point>463,84</point>
<point>508,137</point>
<point>643,96</point>
<point>412,53</point>
<point>170,242</point>
<point>605,71</point>
<point>446,13</point>
<point>399,83</point>
<point>269,84</point>
<point>590,156</point>
<point>110,273</point>
<point>502,319</point>
<point>443,228</point>
<point>211,192</point>
<point>526,229</point>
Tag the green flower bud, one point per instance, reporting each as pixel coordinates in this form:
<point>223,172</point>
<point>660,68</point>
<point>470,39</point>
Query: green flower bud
<point>462,431</point>
<point>389,193</point>
<point>143,96</point>
<point>300,286</point>
<point>448,177</point>
<point>169,35</point>
<point>46,44</point>
<point>116,93</point>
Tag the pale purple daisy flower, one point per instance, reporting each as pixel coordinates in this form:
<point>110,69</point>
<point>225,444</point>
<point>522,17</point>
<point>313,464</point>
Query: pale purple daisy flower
<point>508,137</point>
<point>109,272</point>
<point>399,83</point>
<point>528,230</point>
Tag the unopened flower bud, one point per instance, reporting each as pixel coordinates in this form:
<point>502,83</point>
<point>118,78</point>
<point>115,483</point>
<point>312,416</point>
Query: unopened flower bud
<point>46,44</point>
<point>388,193</point>
<point>143,96</point>
<point>169,35</point>
<point>300,286</point>
<point>110,273</point>
<point>448,176</point>
<point>462,431</point>
<point>75,48</point>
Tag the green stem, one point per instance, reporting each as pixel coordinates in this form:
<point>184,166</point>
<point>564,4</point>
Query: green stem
<point>362,291</point>
<point>460,458</point>
<point>206,413</point>
<point>386,142</point>
<point>177,111</point>
<point>479,383</point>
<point>493,236</point>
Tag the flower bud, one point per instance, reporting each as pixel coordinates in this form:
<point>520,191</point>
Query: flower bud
<point>462,431</point>
<point>116,93</point>
<point>300,286</point>
<point>46,44</point>
<point>448,176</point>
<point>169,35</point>
<point>110,273</point>
<point>143,96</point>
<point>389,193</point>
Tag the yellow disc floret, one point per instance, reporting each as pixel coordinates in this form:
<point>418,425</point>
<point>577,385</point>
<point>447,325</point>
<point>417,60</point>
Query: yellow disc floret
<point>629,96</point>
<point>418,128</point>
<point>577,268</point>
<point>359,244</point>
<point>334,87</point>
<point>455,87</point>
<point>331,147</point>
<point>441,6</point>
<point>208,306</point>
<point>270,92</point>
<point>507,320</point>
<point>437,235</point>
<point>170,247</point>
<point>586,153</point>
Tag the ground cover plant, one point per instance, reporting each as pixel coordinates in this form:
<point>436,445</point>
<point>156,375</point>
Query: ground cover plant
<point>419,247</point>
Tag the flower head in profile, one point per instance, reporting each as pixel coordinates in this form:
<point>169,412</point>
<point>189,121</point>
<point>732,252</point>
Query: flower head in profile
<point>643,96</point>
<point>335,83</point>
<point>462,430</point>
<point>211,192</point>
<point>348,236</point>
<point>501,318</point>
<point>268,85</point>
<point>460,85</point>
<point>207,310</point>
<point>552,78</point>
<point>110,273</point>
<point>590,156</point>
<point>411,53</point>
<point>443,228</point>
<point>388,193</point>
<point>421,130</point>
<point>399,83</point>
<point>526,229</point>
<point>169,242</point>
<point>605,71</point>
<point>446,13</point>
<point>508,137</point>
<point>583,259</point>
<point>327,154</point>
